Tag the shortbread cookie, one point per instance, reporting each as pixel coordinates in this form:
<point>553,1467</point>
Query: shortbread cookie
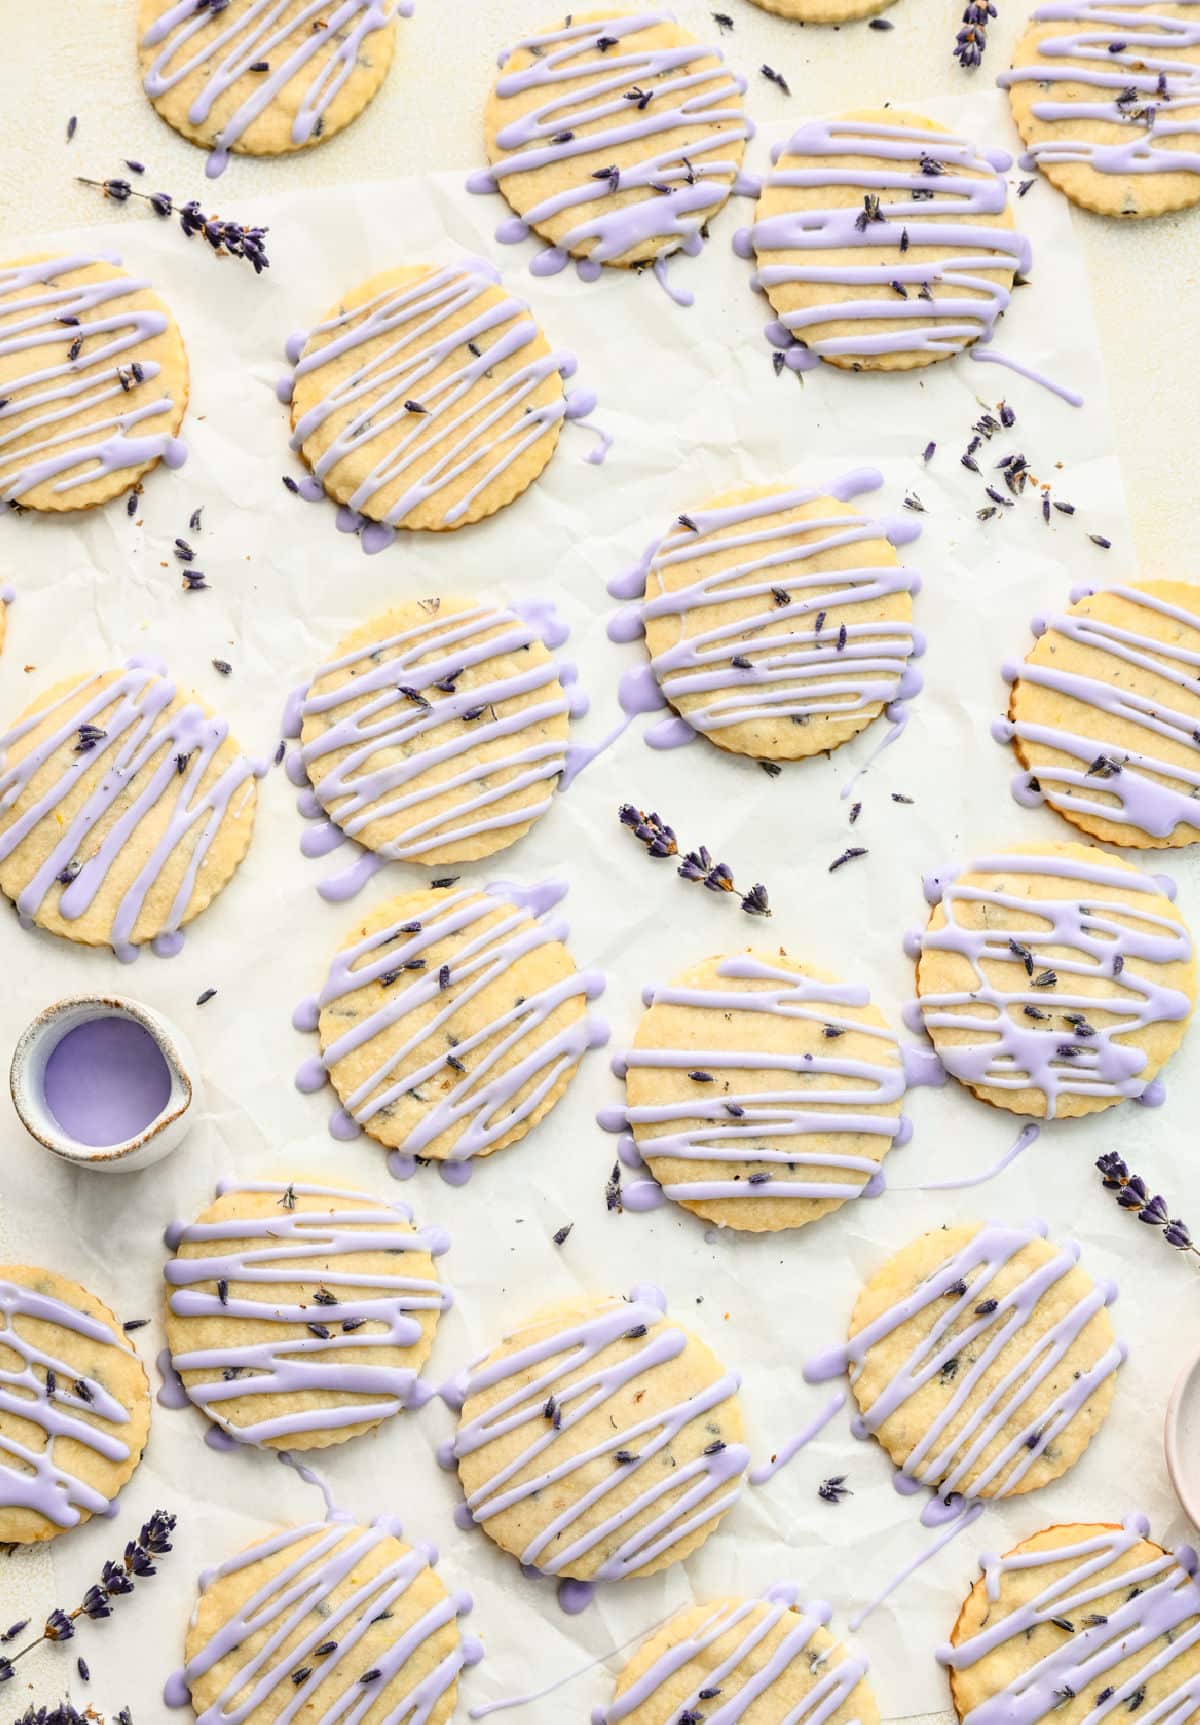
<point>982,1358</point>
<point>600,1440</point>
<point>779,620</point>
<point>1104,715</point>
<point>299,1316</point>
<point>74,1405</point>
<point>263,77</point>
<point>93,382</point>
<point>761,1093</point>
<point>438,731</point>
<point>616,135</point>
<point>1054,979</point>
<point>324,1622</point>
<point>426,398</point>
<point>452,1020</point>
<point>125,807</point>
<point>770,1660</point>
<point>1080,1622</point>
<point>824,11</point>
<point>883,242</point>
<point>1107,99</point>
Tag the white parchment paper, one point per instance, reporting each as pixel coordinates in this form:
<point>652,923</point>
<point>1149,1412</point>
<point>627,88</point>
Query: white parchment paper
<point>693,405</point>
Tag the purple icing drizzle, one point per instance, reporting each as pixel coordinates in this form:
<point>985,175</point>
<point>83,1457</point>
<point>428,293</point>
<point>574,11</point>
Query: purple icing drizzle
<point>1157,1622</point>
<point>752,1126</point>
<point>619,95</point>
<point>38,1482</point>
<point>558,1366</point>
<point>1025,1137</point>
<point>300,1594</point>
<point>479,1103</point>
<point>946,1459</point>
<point>136,735</point>
<point>1085,934</point>
<point>274,1249</point>
<point>39,314</point>
<point>1140,789</point>
<point>799,1440</point>
<point>255,35</point>
<point>913,204</point>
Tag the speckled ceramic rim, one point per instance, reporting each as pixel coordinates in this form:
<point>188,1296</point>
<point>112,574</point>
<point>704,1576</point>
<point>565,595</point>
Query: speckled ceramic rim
<point>42,1036</point>
<point>1184,1468</point>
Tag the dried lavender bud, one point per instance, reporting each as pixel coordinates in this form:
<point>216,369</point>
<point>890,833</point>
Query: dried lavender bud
<point>834,1490</point>
<point>561,1235</point>
<point>776,78</point>
<point>846,856</point>
<point>755,902</point>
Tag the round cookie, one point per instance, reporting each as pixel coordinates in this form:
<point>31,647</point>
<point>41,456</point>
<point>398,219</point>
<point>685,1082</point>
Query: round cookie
<point>982,1358</point>
<point>125,807</point>
<point>1107,100</point>
<point>328,1621</point>
<point>437,733</point>
<point>263,77</point>
<point>779,620</point>
<point>1104,715</point>
<point>761,1093</point>
<point>93,382</point>
<point>883,242</point>
<point>74,1405</point>
<point>452,1021</point>
<point>600,1440</point>
<point>1080,1622</point>
<point>614,135</point>
<point>1054,979</point>
<point>299,1316</point>
<point>771,1657</point>
<point>824,11</point>
<point>426,398</point>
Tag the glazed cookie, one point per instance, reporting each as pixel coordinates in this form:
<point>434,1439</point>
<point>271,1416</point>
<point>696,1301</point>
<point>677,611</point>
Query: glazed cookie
<point>616,135</point>
<point>982,1358</point>
<point>1081,1622</point>
<point>437,733</point>
<point>93,382</point>
<point>768,1659</point>
<point>883,242</point>
<point>426,398</point>
<point>1107,99</point>
<point>125,807</point>
<point>1104,715</point>
<point>324,1622</point>
<point>824,11</point>
<point>760,1093</point>
<point>452,1021</point>
<point>779,621</point>
<point>74,1405</point>
<point>299,1316</point>
<point>1054,979</point>
<point>263,77</point>
<point>568,1425</point>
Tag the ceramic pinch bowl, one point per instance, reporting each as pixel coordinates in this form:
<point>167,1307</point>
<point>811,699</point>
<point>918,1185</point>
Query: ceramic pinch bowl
<point>1182,1438</point>
<point>105,1082</point>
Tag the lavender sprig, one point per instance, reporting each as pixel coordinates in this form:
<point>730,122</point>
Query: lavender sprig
<point>65,1713</point>
<point>233,238</point>
<point>971,42</point>
<point>658,840</point>
<point>1133,1194</point>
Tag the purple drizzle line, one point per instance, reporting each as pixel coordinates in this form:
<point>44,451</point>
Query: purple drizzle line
<point>946,1459</point>
<point>803,667</point>
<point>975,192</point>
<point>1134,54</point>
<point>37,1482</point>
<point>631,93</point>
<point>256,33</point>
<point>559,1365</point>
<point>1016,1051</point>
<point>744,1674</point>
<point>1145,792</point>
<point>1157,1622</point>
<point>274,1249</point>
<point>450,439</point>
<point>752,1126</point>
<point>137,735</point>
<point>299,1597</point>
<point>388,769</point>
<point>479,1104</point>
<point>39,314</point>
<point>787,1451</point>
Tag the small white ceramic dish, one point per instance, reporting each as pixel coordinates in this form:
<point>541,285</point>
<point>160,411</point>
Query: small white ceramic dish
<point>27,1076</point>
<point>1182,1439</point>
